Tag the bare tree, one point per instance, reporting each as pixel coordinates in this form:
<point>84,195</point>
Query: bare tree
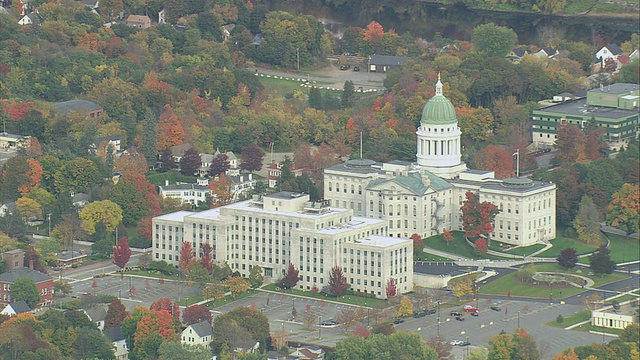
<point>592,301</point>
<point>309,318</point>
<point>279,338</point>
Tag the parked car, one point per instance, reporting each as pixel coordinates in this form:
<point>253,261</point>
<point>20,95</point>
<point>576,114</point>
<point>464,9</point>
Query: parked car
<point>456,342</point>
<point>345,67</point>
<point>470,308</point>
<point>496,308</point>
<point>459,318</point>
<point>464,343</point>
<point>455,313</point>
<point>328,323</point>
<point>431,311</point>
<point>356,68</point>
<point>398,321</point>
<point>419,314</point>
<point>475,313</point>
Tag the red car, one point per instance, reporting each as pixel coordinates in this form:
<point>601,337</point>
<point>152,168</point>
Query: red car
<point>469,308</point>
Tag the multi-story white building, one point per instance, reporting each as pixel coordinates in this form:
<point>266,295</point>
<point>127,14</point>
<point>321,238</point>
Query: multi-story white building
<point>283,228</point>
<point>425,198</point>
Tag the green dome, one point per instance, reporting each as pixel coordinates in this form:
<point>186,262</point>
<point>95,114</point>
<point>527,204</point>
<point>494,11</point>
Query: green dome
<point>438,111</point>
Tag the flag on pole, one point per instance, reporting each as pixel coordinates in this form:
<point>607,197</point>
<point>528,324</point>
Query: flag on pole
<point>516,153</point>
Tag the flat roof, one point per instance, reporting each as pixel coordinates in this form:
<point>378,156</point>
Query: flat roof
<point>175,216</point>
<point>285,195</point>
<point>184,187</point>
<point>76,105</point>
<point>580,108</point>
<point>618,88</point>
<point>380,241</point>
<point>211,214</point>
<point>507,185</point>
<point>250,207</point>
<point>356,222</point>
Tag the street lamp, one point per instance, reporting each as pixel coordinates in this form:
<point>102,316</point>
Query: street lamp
<point>319,327</point>
<point>438,325</point>
<point>49,219</point>
<point>518,319</point>
<point>467,345</point>
<point>298,58</point>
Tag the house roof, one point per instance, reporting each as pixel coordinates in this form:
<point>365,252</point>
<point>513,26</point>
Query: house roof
<point>20,307</point>
<point>10,277</point>
<point>90,3</point>
<point>96,313</point>
<point>388,60</point>
<point>108,138</point>
<point>179,150</point>
<point>549,51</point>
<point>229,154</point>
<point>76,105</point>
<point>184,187</point>
<point>114,334</point>
<point>519,52</point>
<point>203,328</point>
<point>79,197</point>
<point>68,255</point>
<point>138,18</point>
<point>614,48</point>
<point>623,59</point>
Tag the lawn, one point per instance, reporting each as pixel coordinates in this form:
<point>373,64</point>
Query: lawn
<point>598,280</point>
<point>571,320</point>
<point>158,178</point>
<point>457,246</point>
<point>525,250</point>
<point>347,299</point>
<point>560,243</point>
<point>589,327</point>
<point>624,249</point>
<point>283,86</point>
<point>423,256</point>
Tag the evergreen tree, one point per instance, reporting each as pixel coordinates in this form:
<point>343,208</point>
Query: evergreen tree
<point>348,94</point>
<point>601,262</point>
<point>149,136</point>
<point>315,98</point>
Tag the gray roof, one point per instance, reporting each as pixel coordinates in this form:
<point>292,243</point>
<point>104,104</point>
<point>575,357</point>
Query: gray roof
<point>203,328</point>
<point>179,150</point>
<point>284,195</point>
<point>66,255</point>
<point>20,307</point>
<point>520,52</point>
<point>513,185</point>
<point>580,108</point>
<point>617,88</point>
<point>10,277</point>
<point>76,105</point>
<point>358,166</point>
<point>96,313</point>
<point>114,334</point>
<point>79,197</point>
<point>614,48</point>
<point>184,187</point>
<point>389,60</point>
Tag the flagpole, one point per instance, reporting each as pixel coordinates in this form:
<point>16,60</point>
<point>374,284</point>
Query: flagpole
<point>517,162</point>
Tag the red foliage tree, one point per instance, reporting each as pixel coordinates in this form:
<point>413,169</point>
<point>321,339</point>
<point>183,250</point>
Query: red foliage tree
<point>481,246</point>
<point>196,313</point>
<point>145,227</point>
<point>291,278</point>
<point>361,331</point>
<point>157,323</point>
<point>447,235</point>
<point>418,244</point>
<point>164,303</point>
<point>219,165</point>
<point>497,159</point>
<point>207,257</point>
<point>187,257</point>
<point>373,33</point>
<point>115,314</point>
<point>15,110</point>
<point>337,281</point>
<point>571,144</point>
<point>170,130</point>
<point>121,254</point>
<point>477,218</point>
<point>221,189</point>
<point>251,158</point>
<point>391,288</point>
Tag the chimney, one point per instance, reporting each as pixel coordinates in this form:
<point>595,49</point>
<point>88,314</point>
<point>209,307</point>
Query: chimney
<point>30,264</point>
<point>250,176</point>
<point>166,182</point>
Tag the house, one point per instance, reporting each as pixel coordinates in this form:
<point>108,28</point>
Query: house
<point>16,308</point>
<point>93,5</point>
<point>69,258</point>
<point>635,55</point>
<point>11,142</point>
<point>240,185</point>
<point>178,150</point>
<point>139,21</point>
<point>611,51</point>
<point>13,259</point>
<point>193,194</point>
<point>79,200</point>
<point>83,106</point>
<point>162,17</point>
<point>307,352</point>
<point>516,55</point>
<point>43,282</point>
<point>207,159</point>
<point>198,334</point>
<point>226,31</point>
<point>31,19</point>
<point>618,317</point>
<point>96,314</point>
<point>548,52</point>
<point>118,341</point>
<point>275,170</point>
<point>384,63</point>
<point>7,208</point>
<point>113,140</point>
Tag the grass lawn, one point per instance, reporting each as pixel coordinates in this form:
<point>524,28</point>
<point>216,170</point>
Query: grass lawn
<point>457,246</point>
<point>158,178</point>
<point>347,299</point>
<point>589,327</point>
<point>560,243</point>
<point>624,249</point>
<point>598,280</point>
<point>423,256</point>
<point>190,300</point>
<point>283,86</point>
<point>524,251</point>
<point>571,320</point>
<point>229,299</point>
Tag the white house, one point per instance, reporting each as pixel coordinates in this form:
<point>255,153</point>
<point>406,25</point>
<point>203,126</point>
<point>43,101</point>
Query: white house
<point>193,194</point>
<point>198,334</point>
<point>96,314</point>
<point>16,308</point>
<point>611,51</point>
<point>118,341</point>
<point>162,17</point>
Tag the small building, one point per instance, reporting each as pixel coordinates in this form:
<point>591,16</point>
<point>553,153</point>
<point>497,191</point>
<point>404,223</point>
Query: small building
<point>611,318</point>
<point>226,31</point>
<point>240,185</point>
<point>611,51</point>
<point>31,19</point>
<point>516,55</point>
<point>139,21</point>
<point>43,282</point>
<point>113,140</point>
<point>384,63</point>
<point>198,334</point>
<point>547,52</point>
<point>69,258</point>
<point>16,308</point>
<point>193,194</point>
<point>11,142</point>
<point>162,17</point>
<point>13,259</point>
<point>307,352</point>
<point>7,208</point>
<point>82,106</point>
<point>118,341</point>
<point>79,200</point>
<point>97,314</point>
<point>275,170</point>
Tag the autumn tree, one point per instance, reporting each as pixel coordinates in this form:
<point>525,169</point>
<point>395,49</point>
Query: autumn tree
<point>448,236</point>
<point>279,338</point>
<point>190,162</point>
<point>187,257</point>
<point>152,330</point>
<point>196,313</point>
<point>251,158</point>
<point>337,281</point>
<point>568,258</point>
<point>475,123</point>
<point>236,285</point>
<point>391,289</point>
<point>207,257</point>
<point>213,291</point>
<point>477,218</point>
<point>32,259</point>
<point>568,354</point>
<point>28,208</point>
<point>241,325</point>
<point>256,278</point>
<point>400,345</point>
<point>495,158</point>
<point>25,289</point>
<point>291,278</point>
<point>221,189</point>
<point>166,304</point>
<point>183,351</point>
<point>116,313</point>
<point>601,262</point>
<point>106,212</point>
<point>170,130</point>
<point>571,144</point>
<point>493,40</point>
<point>441,346</point>
<point>149,136</point>
<point>77,175</point>
<point>219,165</point>
<point>624,210</point>
<point>587,222</point>
<point>480,246</point>
<point>418,244</point>
<point>309,318</point>
<point>373,33</point>
<point>68,230</point>
<point>121,254</point>
<point>519,345</point>
<point>462,286</point>
<point>34,176</point>
<point>405,308</point>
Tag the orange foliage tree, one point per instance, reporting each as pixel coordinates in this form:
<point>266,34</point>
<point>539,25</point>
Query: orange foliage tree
<point>373,33</point>
<point>495,158</point>
<point>15,110</point>
<point>34,175</point>
<point>156,324</point>
<point>221,191</point>
<point>131,165</point>
<point>170,130</point>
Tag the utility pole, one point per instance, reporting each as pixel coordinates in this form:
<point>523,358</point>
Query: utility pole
<point>298,58</point>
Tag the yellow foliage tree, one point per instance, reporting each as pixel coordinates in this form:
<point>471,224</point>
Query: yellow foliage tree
<point>105,211</point>
<point>462,287</point>
<point>236,285</point>
<point>28,208</point>
<point>405,308</point>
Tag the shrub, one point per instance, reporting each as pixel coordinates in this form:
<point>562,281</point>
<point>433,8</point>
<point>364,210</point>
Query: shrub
<point>571,233</point>
<point>560,319</point>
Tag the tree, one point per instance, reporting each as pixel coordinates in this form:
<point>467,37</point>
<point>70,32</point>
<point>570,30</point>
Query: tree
<point>399,345</point>
<point>255,276</point>
<point>315,98</point>
<point>187,257</point>
<point>106,212</point>
<point>170,130</point>
<point>601,262</point>
<point>384,328</point>
<point>405,308</point>
<point>166,160</point>
<point>571,144</point>
<point>213,291</point>
<point>149,136</point>
<point>236,285</point>
<point>476,123</point>
<point>116,313</point>
<point>251,158</point>
<point>520,345</point>
<point>29,208</point>
<point>493,40</point>
<point>568,258</point>
<point>121,254</point>
<point>348,95</point>
<point>207,257</point>
<point>448,237</point>
<point>477,218</point>
<point>567,355</point>
<point>196,313</point>
<point>279,338</point>
<point>587,222</point>
<point>525,273</point>
<point>68,230</point>
<point>495,158</point>
<point>252,325</point>
<point>221,189</point>
<point>166,304</point>
<point>152,330</point>
<point>32,259</point>
<point>480,246</point>
<point>624,210</point>
<point>190,162</point>
<point>631,333</point>
<point>337,281</point>
<point>291,278</point>
<point>25,289</point>
<point>219,165</point>
<point>78,175</point>
<point>418,244</point>
<point>309,318</point>
<point>391,288</point>
<point>441,346</point>
<point>462,286</point>
<point>181,351</point>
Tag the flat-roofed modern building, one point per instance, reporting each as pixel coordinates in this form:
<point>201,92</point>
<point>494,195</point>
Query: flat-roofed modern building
<point>282,228</point>
<point>614,108</point>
